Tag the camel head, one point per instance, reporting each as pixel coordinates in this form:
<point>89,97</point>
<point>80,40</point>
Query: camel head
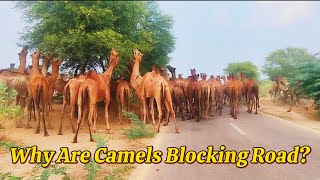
<point>12,65</point>
<point>56,62</point>
<point>180,76</point>
<point>203,76</point>
<point>171,69</point>
<point>193,72</point>
<point>114,56</point>
<point>36,54</point>
<point>47,57</point>
<point>137,55</point>
<point>24,51</point>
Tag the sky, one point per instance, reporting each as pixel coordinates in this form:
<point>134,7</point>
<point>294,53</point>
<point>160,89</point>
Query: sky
<point>209,35</point>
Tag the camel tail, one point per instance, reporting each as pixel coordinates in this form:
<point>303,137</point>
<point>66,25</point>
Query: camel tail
<point>85,95</point>
<point>39,94</point>
<point>68,94</point>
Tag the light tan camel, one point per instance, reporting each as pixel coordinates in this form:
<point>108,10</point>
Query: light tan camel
<point>123,98</point>
<point>70,97</point>
<point>154,86</point>
<point>96,88</point>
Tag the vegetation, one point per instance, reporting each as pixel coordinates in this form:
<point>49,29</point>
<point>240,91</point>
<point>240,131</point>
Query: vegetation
<point>8,111</point>
<point>248,67</point>
<point>83,32</point>
<point>119,172</point>
<point>286,62</point>
<point>265,86</point>
<point>137,128</point>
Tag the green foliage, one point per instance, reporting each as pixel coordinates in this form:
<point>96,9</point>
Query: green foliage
<point>9,144</point>
<point>309,76</point>
<point>83,32</point>
<point>92,168</point>
<point>119,172</point>
<point>285,62</point>
<point>248,67</point>
<point>52,169</point>
<point>264,87</point>
<point>137,128</point>
<point>9,176</point>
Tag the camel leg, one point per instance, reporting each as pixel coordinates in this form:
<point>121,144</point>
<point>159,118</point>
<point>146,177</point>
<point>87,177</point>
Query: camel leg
<point>64,106</point>
<point>91,116</point>
<point>79,121</point>
<point>106,112</point>
<point>119,109</point>
<point>44,124</point>
<point>158,100</point>
<point>181,110</point>
<point>37,111</point>
<point>167,116</point>
<point>152,110</point>
<point>292,103</point>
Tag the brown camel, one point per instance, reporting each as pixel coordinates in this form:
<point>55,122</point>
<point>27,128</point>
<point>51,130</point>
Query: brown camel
<point>204,95</point>
<point>154,86</point>
<point>193,95</point>
<point>70,97</point>
<point>45,63</point>
<point>52,79</point>
<point>38,88</point>
<point>96,88</point>
<point>123,98</point>
<point>252,90</point>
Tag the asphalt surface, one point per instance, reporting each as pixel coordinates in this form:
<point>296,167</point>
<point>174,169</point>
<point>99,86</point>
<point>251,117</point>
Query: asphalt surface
<point>248,131</point>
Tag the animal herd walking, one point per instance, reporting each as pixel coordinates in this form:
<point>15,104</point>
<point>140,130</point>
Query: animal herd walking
<point>171,96</point>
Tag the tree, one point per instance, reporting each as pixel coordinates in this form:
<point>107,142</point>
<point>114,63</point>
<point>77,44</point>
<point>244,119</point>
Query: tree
<point>247,67</point>
<point>83,32</point>
<point>285,62</point>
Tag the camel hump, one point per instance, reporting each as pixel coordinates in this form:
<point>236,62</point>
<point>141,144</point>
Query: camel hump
<point>92,75</point>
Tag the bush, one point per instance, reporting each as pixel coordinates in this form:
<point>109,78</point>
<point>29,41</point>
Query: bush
<point>137,128</point>
<point>265,86</point>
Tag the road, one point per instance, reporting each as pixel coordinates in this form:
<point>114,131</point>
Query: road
<point>248,131</point>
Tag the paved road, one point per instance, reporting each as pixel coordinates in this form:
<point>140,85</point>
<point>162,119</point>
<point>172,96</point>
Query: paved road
<point>248,131</point>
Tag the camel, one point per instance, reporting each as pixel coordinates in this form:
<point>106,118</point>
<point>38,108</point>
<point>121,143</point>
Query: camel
<point>252,90</point>
<point>204,95</point>
<point>193,95</point>
<point>176,90</point>
<point>70,97</point>
<point>96,88</point>
<point>234,91</point>
<point>154,86</point>
<point>45,63</point>
<point>216,94</point>
<point>22,65</point>
<point>38,89</point>
<point>123,98</point>
<point>52,79</point>
<point>60,84</point>
<point>123,94</point>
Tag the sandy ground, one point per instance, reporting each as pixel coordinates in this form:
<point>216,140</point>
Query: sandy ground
<point>116,140</point>
<point>309,118</point>
<point>26,138</point>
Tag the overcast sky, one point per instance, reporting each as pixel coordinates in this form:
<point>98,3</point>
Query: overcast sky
<point>209,35</point>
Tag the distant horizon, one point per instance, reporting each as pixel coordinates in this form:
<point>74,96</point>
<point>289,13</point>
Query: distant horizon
<point>210,35</point>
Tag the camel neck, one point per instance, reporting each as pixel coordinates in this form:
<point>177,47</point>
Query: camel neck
<point>55,73</point>
<point>174,76</point>
<point>45,66</point>
<point>22,67</point>
<point>135,74</point>
<point>35,66</point>
<point>107,74</point>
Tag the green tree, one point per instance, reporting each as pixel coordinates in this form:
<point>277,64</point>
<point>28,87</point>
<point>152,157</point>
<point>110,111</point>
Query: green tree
<point>247,67</point>
<point>285,62</point>
<point>83,32</point>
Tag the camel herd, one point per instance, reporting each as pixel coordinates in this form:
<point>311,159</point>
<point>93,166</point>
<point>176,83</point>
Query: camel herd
<point>199,98</point>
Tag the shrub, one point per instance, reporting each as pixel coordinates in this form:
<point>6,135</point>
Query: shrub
<point>137,128</point>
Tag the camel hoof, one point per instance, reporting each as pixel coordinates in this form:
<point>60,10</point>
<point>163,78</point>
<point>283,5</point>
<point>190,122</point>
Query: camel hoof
<point>165,124</point>
<point>108,131</point>
<point>235,118</point>
<point>255,113</point>
<point>92,140</point>
<point>198,120</point>
<point>46,134</point>
<point>119,123</point>
<point>74,141</point>
<point>37,132</point>
<point>177,131</point>
<point>60,133</point>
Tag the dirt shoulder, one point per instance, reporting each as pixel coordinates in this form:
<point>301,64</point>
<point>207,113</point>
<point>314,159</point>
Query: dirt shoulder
<point>309,118</point>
